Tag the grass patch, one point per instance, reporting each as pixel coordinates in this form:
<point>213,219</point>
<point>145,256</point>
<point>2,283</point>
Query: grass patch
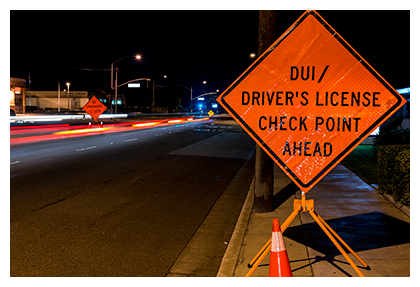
<point>364,163</point>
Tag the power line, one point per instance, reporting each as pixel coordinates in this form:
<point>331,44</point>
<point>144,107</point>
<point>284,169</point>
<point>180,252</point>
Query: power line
<point>85,69</point>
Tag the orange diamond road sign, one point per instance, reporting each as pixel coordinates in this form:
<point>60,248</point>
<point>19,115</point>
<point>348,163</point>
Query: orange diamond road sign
<point>309,100</point>
<point>94,108</point>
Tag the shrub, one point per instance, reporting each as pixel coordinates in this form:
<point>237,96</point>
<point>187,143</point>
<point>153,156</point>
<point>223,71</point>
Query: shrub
<point>391,134</point>
<point>403,171</point>
<point>394,172</point>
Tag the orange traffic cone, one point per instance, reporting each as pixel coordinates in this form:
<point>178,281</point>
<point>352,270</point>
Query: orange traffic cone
<point>279,261</point>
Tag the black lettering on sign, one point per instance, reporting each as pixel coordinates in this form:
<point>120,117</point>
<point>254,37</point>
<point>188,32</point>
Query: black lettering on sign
<point>318,121</point>
<point>332,96</point>
<point>303,96</point>
<point>305,73</point>
<point>308,149</point>
<point>278,98</point>
<point>255,98</point>
<point>302,123</point>
<point>260,123</point>
<point>272,123</point>
<point>345,99</point>
<point>327,149</point>
<point>375,98</point>
<point>366,97</point>
<point>355,98</point>
<point>282,123</point>
<point>333,124</point>
<point>330,124</point>
<point>295,148</point>
<point>290,124</point>
<point>289,96</point>
<point>245,98</point>
<point>270,99</point>
<point>294,73</point>
<point>344,102</point>
<point>323,74</point>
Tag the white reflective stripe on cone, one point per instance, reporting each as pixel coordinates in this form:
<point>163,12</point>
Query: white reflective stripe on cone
<point>277,243</point>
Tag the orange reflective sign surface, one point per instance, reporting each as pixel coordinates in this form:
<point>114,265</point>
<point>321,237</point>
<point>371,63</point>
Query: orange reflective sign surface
<point>309,100</point>
<point>94,108</point>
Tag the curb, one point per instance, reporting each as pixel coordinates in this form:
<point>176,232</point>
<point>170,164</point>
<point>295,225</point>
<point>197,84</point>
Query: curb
<point>398,205</point>
<point>228,265</point>
<point>390,198</point>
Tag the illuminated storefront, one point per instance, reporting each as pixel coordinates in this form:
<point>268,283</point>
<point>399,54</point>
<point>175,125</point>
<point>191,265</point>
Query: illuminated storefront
<point>18,95</point>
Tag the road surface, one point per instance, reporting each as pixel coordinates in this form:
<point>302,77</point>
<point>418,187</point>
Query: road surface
<point>123,204</point>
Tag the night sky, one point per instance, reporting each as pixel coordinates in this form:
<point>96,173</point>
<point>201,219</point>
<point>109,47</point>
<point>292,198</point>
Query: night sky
<point>187,46</point>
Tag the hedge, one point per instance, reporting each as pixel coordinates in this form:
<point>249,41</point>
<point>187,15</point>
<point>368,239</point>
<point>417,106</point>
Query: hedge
<point>394,172</point>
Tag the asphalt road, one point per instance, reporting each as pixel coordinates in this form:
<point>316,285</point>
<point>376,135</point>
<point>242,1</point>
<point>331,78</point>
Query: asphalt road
<point>124,204</point>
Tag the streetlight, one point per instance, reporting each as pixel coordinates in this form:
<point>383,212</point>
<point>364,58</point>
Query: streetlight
<point>68,95</point>
<point>204,82</point>
<point>200,98</point>
<point>138,57</point>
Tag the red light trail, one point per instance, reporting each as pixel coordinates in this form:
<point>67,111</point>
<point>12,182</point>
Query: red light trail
<point>66,131</point>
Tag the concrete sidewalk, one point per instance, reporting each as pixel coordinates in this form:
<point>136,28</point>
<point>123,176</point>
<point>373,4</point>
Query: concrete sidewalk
<point>372,226</point>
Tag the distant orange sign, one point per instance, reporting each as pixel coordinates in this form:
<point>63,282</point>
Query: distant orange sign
<point>309,100</point>
<point>94,108</point>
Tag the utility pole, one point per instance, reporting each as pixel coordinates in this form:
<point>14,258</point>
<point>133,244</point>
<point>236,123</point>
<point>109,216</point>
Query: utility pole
<point>58,93</point>
<point>116,88</point>
<point>264,165</point>
<point>112,83</point>
<point>30,104</point>
<point>153,100</point>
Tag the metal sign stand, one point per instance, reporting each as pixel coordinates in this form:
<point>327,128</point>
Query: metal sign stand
<point>308,206</point>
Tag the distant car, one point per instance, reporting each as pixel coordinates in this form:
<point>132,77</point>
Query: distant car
<point>12,112</point>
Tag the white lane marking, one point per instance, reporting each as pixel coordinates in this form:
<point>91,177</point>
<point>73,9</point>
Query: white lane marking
<point>15,162</point>
<point>158,135</point>
<point>87,148</point>
<point>130,140</point>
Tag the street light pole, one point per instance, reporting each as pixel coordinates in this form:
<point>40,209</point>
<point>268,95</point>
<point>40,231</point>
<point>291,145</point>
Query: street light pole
<point>68,96</point>
<point>112,76</point>
<point>59,93</point>
<point>205,94</point>
<point>191,99</point>
<point>112,79</point>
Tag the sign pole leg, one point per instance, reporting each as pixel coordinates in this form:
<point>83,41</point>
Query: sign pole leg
<point>341,240</point>
<point>267,245</point>
<point>315,216</point>
<point>98,124</point>
<point>308,205</point>
<point>268,249</point>
<point>264,251</point>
